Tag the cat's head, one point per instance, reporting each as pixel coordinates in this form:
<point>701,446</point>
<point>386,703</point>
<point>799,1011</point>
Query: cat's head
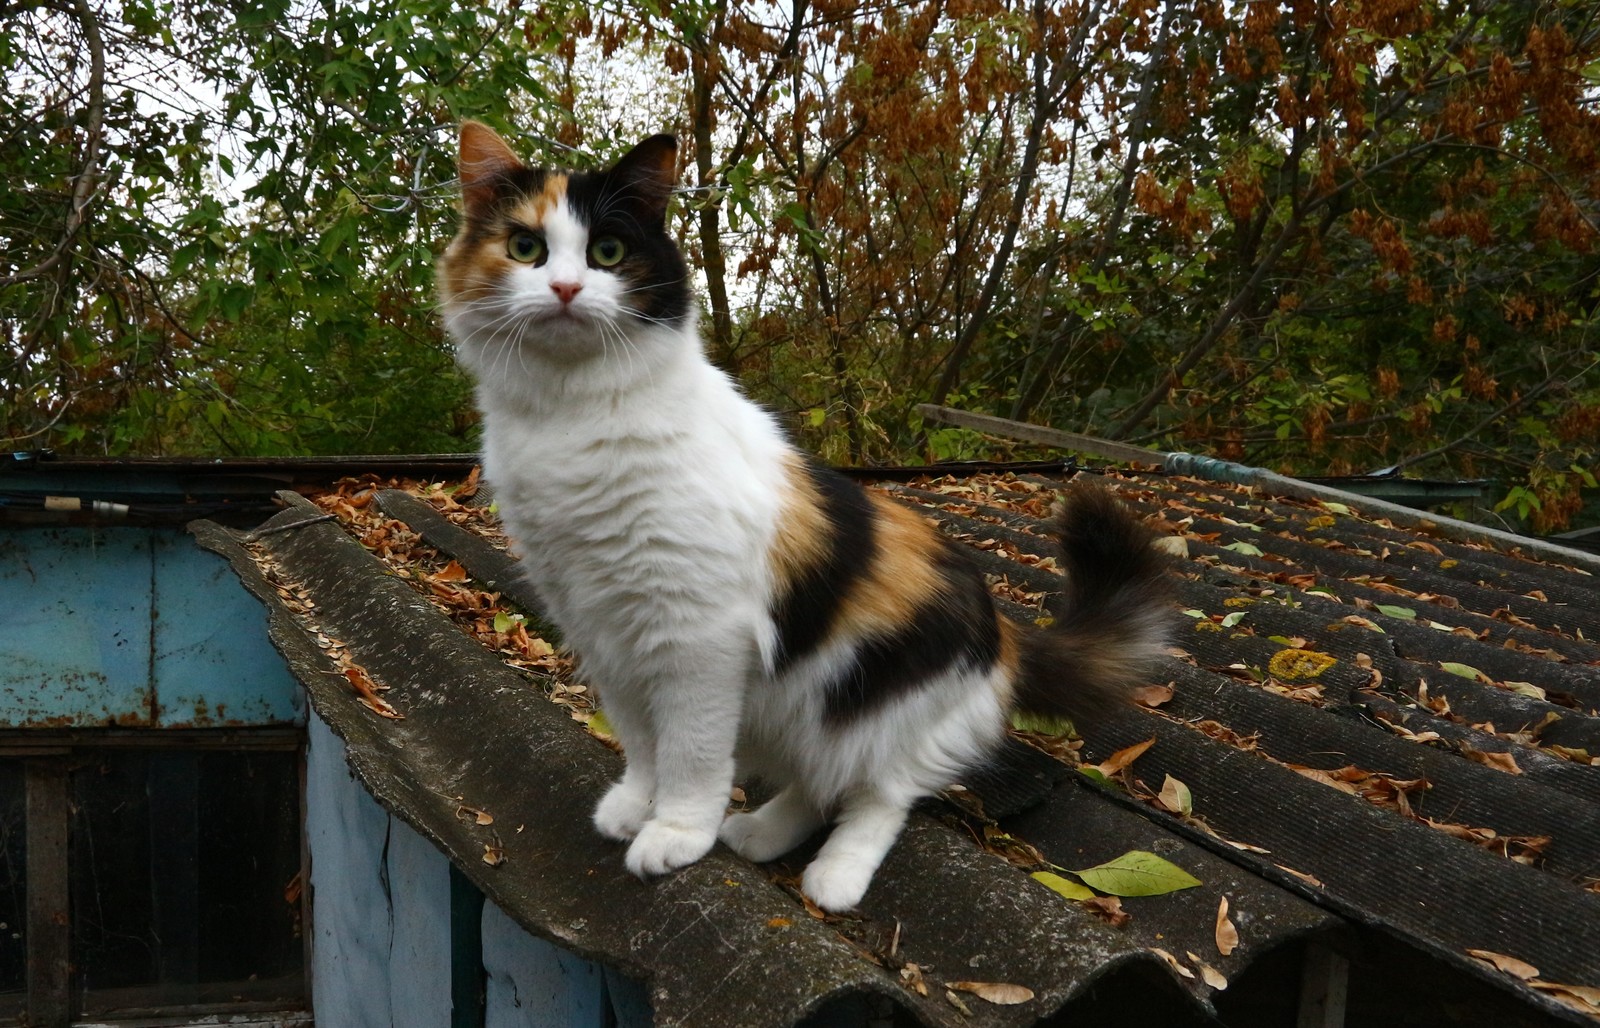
<point>569,267</point>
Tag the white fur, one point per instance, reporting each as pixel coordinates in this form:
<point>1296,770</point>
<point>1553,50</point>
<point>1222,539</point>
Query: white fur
<point>643,491</point>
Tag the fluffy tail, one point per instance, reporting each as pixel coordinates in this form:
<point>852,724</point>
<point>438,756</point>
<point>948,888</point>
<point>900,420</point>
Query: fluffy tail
<point>1111,620</point>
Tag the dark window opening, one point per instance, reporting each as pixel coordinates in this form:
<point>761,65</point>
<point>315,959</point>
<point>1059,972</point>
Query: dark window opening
<point>13,889</point>
<point>181,893</point>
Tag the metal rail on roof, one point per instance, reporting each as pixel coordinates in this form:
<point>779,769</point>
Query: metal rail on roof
<point>1216,470</point>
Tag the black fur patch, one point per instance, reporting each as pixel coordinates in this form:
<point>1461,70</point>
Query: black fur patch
<point>806,614</point>
<point>1110,620</point>
<point>957,627</point>
<point>613,205</point>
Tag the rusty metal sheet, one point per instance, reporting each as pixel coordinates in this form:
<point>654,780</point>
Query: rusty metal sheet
<point>74,628</point>
<point>132,628</point>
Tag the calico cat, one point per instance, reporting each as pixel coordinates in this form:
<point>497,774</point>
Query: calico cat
<point>735,604</point>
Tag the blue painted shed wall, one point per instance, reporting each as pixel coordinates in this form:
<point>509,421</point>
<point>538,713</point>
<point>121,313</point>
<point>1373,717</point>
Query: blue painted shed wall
<point>133,627</point>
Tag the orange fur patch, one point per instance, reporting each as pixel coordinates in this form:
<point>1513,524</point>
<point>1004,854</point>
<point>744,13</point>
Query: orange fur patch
<point>801,541</point>
<point>471,267</point>
<point>469,272</point>
<point>1010,660</point>
<point>530,213</point>
<point>903,575</point>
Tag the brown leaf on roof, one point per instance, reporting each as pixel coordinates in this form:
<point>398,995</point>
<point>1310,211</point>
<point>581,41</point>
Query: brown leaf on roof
<point>998,993</point>
<point>1510,965</point>
<point>1583,998</point>
<point>1309,879</point>
<point>1108,909</point>
<point>1499,761</point>
<point>1121,759</point>
<point>1227,932</point>
<point>1222,733</point>
<point>1210,975</point>
<point>367,692</point>
<point>1152,695</point>
<point>1172,962</point>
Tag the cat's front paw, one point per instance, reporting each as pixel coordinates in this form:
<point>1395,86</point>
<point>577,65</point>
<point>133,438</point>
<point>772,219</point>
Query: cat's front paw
<point>836,884</point>
<point>662,846</point>
<point>622,812</point>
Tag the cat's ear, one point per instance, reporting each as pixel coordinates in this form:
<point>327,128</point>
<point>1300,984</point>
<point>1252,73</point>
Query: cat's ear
<point>650,170</point>
<point>484,161</point>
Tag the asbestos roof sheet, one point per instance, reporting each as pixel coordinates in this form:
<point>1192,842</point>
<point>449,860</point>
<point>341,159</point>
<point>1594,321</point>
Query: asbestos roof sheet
<point>1382,741</point>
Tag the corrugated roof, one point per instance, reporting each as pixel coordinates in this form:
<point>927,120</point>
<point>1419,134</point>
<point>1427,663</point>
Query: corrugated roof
<point>1383,733</point>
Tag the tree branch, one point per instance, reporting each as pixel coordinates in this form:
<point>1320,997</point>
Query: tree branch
<point>83,186</point>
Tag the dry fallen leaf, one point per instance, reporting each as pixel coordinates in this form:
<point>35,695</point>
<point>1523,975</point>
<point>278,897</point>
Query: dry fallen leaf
<point>1510,965</point>
<point>1175,545</point>
<point>1172,961</point>
<point>451,572</point>
<point>911,974</point>
<point>1123,757</point>
<point>1307,878</point>
<point>1175,797</point>
<point>1580,997</point>
<point>474,815</point>
<point>1108,909</point>
<point>1211,976</point>
<point>1499,761</point>
<point>1001,994</point>
<point>956,1002</point>
<point>367,692</point>
<point>1227,932</point>
<point>1152,695</point>
<point>494,856</point>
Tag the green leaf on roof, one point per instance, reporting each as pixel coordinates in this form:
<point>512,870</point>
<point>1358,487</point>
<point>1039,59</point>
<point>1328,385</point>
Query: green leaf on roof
<point>1138,873</point>
<point>1464,670</point>
<point>1248,549</point>
<point>1065,886</point>
<point>1395,612</point>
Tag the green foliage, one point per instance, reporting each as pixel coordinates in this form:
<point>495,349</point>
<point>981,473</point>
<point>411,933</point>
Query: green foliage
<point>252,269</point>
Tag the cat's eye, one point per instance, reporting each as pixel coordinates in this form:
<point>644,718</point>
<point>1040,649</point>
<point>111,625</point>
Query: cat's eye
<point>607,251</point>
<point>526,247</point>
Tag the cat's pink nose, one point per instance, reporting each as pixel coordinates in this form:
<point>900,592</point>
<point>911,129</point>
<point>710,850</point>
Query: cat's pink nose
<point>566,290</point>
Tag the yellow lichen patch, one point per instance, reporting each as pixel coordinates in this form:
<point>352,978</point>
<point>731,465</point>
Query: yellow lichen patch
<point>1238,601</point>
<point>1322,521</point>
<point>1204,625</point>
<point>1448,564</point>
<point>1292,663</point>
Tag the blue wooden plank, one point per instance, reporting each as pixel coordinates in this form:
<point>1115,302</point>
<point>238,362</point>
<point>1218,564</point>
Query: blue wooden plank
<point>534,984</point>
<point>420,958</point>
<point>214,664</point>
<point>351,919</point>
<point>75,609</point>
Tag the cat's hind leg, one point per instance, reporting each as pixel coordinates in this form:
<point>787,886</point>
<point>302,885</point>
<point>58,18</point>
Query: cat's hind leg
<point>778,826</point>
<point>869,822</point>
